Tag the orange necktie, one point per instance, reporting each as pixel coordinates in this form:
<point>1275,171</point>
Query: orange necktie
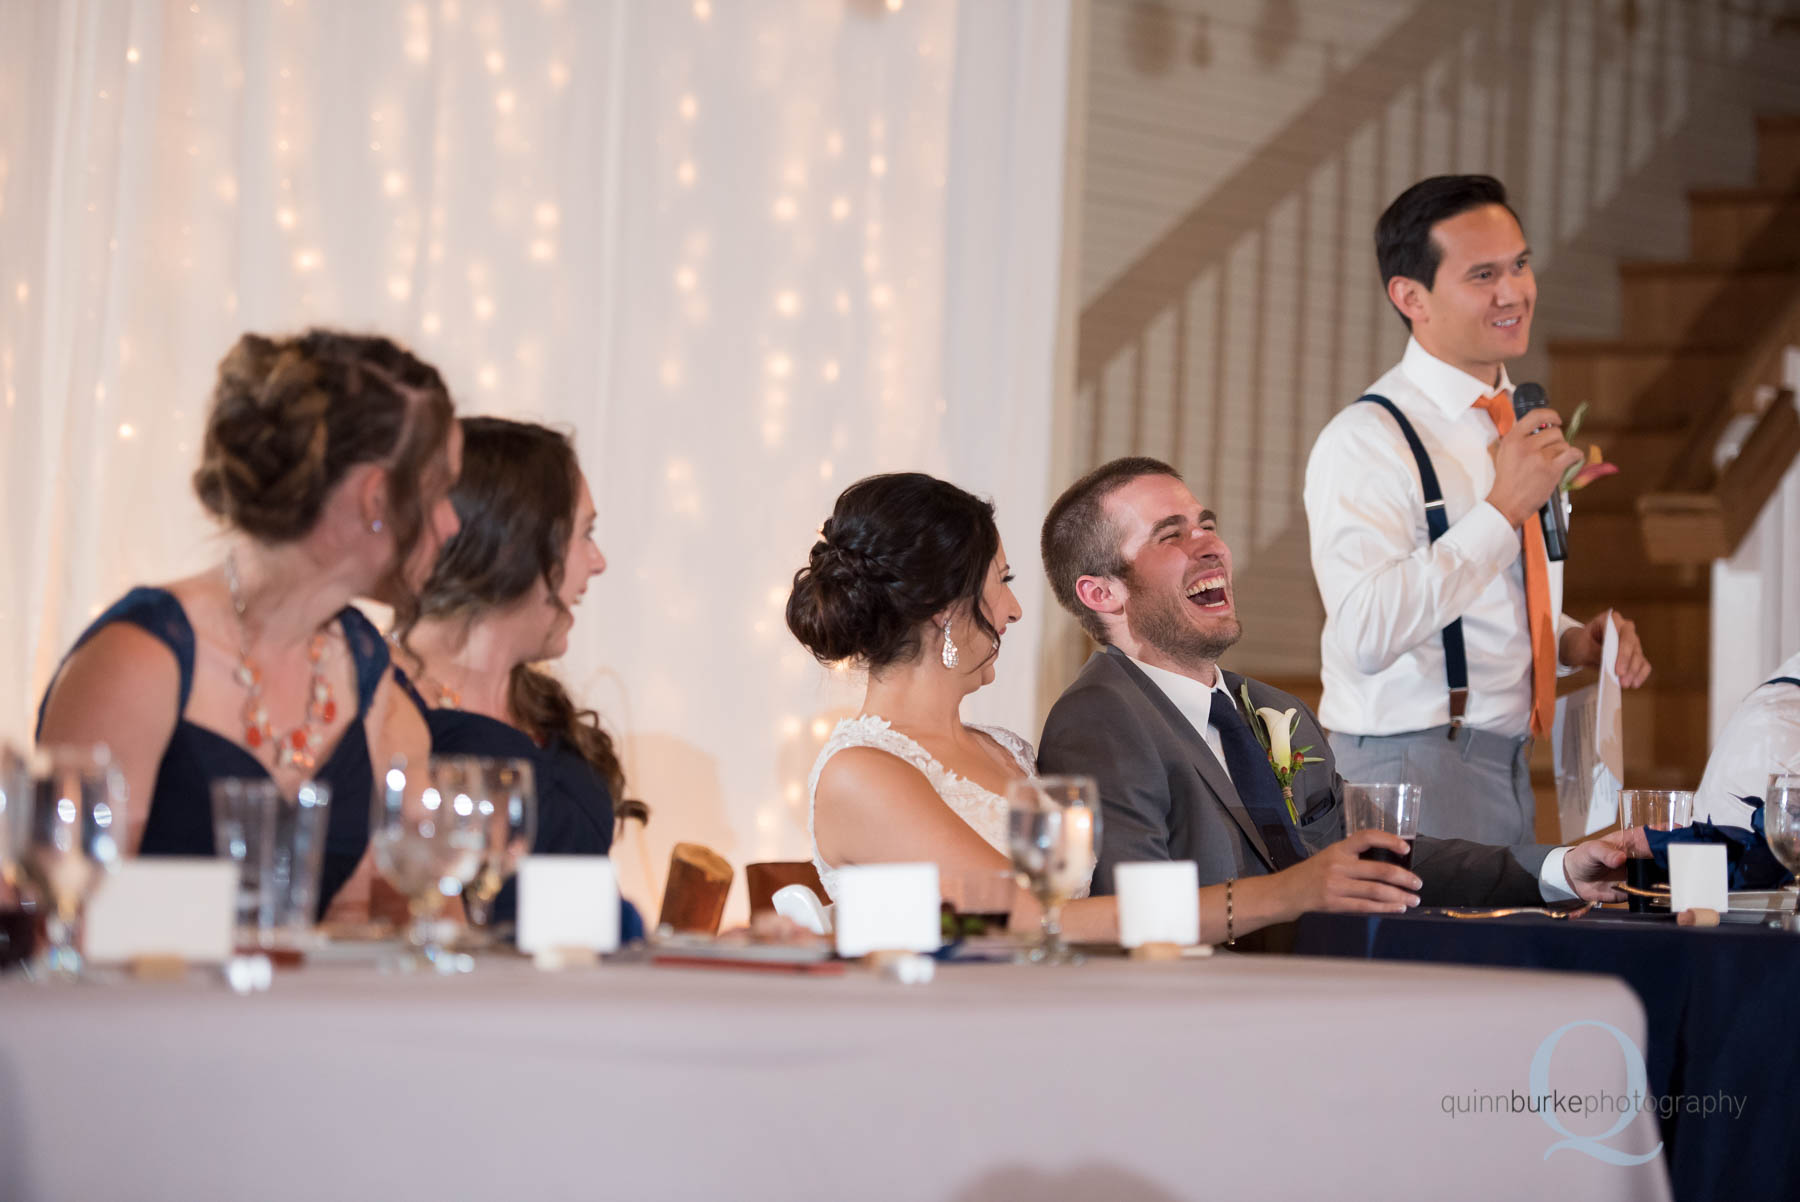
<point>1537,595</point>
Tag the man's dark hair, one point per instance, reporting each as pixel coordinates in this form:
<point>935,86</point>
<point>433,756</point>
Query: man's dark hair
<point>1403,242</point>
<point>1080,540</point>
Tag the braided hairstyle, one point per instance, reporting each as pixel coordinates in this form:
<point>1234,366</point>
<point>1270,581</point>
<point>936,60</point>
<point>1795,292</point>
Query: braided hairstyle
<point>897,551</point>
<point>291,416</point>
<point>516,501</point>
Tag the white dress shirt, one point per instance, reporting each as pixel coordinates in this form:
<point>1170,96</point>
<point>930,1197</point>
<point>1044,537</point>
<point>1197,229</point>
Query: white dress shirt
<point>1194,700</point>
<point>1761,737</point>
<point>1388,590</point>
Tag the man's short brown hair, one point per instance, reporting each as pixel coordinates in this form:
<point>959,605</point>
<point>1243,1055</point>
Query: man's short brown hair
<point>1080,540</point>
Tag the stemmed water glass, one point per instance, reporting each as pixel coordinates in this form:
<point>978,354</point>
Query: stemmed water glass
<point>15,787</point>
<point>508,808</point>
<point>1053,835</point>
<point>16,921</point>
<point>69,840</point>
<point>1781,820</point>
<point>428,836</point>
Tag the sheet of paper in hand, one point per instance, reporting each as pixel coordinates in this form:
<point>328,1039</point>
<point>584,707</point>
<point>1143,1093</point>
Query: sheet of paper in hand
<point>1587,789</point>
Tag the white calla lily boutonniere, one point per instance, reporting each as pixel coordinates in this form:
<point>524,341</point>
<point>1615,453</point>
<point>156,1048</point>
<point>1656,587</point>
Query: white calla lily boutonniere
<point>1274,729</point>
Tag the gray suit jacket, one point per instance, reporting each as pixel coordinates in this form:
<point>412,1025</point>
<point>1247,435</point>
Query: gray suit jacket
<point>1165,796</point>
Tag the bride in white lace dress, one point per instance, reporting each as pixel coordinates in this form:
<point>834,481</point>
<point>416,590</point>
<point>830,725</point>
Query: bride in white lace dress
<point>910,582</point>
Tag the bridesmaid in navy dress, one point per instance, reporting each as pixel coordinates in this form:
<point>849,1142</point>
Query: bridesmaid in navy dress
<point>499,603</point>
<point>328,458</point>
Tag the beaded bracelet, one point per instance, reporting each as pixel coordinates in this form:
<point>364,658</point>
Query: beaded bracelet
<point>1230,934</point>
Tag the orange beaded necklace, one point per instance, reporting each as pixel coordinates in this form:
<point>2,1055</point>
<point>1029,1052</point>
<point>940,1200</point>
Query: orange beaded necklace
<point>300,745</point>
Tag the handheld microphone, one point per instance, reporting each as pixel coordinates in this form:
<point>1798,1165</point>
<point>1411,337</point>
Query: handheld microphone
<point>1527,397</point>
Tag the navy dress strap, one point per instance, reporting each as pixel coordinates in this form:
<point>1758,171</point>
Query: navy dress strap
<point>157,613</point>
<point>351,771</point>
<point>411,690</point>
<point>368,651</point>
<point>1437,524</point>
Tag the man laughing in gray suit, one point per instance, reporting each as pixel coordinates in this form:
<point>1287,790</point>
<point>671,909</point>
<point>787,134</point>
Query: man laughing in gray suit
<point>1139,561</point>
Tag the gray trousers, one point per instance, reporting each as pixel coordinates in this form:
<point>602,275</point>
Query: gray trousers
<point>1477,786</point>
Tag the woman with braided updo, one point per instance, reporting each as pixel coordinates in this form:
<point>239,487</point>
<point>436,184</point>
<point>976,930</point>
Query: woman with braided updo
<point>328,458</point>
<point>910,582</point>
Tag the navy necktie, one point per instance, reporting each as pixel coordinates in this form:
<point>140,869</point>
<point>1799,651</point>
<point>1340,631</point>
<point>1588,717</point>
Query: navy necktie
<point>1255,781</point>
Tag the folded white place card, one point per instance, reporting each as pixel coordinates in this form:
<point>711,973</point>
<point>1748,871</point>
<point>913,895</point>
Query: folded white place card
<point>887,908</point>
<point>163,906</point>
<point>1159,902</point>
<point>1697,877</point>
<point>568,902</point>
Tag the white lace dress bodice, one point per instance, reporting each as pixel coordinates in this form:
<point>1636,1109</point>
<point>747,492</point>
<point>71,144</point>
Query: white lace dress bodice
<point>984,811</point>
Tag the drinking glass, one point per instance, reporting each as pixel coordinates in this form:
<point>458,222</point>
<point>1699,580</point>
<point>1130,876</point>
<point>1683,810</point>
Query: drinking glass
<point>290,895</point>
<point>1658,810</point>
<point>427,835</point>
<point>278,843</point>
<point>1393,808</point>
<point>243,811</point>
<point>1053,827</point>
<point>70,839</point>
<point>15,790</point>
<point>508,809</point>
<point>18,924</point>
<point>1781,819</point>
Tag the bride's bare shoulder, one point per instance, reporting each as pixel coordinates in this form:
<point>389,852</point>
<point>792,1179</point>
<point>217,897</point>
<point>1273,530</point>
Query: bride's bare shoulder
<point>870,775</point>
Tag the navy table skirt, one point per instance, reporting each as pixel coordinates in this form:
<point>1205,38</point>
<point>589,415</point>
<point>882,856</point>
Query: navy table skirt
<point>1722,1006</point>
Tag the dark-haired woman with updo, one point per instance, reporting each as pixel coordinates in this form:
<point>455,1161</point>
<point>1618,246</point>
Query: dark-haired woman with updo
<point>328,459</point>
<point>910,582</point>
<point>499,602</point>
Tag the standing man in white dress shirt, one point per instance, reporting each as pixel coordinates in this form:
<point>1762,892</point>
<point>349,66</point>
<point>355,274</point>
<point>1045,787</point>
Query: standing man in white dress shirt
<point>1441,647</point>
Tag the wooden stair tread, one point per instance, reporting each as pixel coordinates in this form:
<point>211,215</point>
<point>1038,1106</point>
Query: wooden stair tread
<point>1655,398</point>
<point>1681,268</point>
<point>1647,348</point>
<point>1745,195</point>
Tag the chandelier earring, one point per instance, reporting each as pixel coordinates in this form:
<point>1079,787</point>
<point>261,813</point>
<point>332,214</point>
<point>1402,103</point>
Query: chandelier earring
<point>950,655</point>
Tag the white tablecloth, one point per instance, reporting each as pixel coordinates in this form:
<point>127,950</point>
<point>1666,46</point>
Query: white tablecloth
<point>1240,1078</point>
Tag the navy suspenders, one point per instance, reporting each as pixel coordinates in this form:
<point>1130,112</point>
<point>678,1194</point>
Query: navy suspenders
<point>1782,680</point>
<point>1437,524</point>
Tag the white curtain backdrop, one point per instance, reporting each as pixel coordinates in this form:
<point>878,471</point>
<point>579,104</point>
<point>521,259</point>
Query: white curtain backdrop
<point>750,250</point>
